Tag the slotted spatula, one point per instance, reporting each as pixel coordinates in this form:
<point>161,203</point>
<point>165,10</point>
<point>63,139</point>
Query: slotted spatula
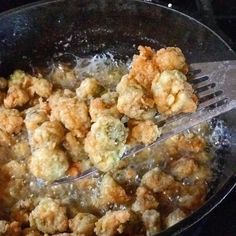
<point>215,86</point>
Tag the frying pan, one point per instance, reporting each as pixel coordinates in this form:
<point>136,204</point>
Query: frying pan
<point>34,35</point>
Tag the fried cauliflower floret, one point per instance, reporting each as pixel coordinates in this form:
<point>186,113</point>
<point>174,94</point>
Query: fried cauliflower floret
<point>21,210</point>
<point>71,112</point>
<point>35,116</point>
<point>21,150</point>
<point>49,134</point>
<point>49,217</point>
<point>152,221</point>
<point>156,180</point>
<point>181,143</point>
<point>144,200</point>
<point>145,132</point>
<point>74,147</point>
<point>110,193</point>
<point>41,87</point>
<point>21,79</point>
<point>171,58</point>
<point>14,169</point>
<point>112,223</point>
<point>48,164</point>
<point>172,94</point>
<point>3,83</point>
<point>144,67</point>
<point>132,100</point>
<point>11,120</point>
<point>16,97</point>
<point>174,217</point>
<point>190,169</point>
<point>83,224</point>
<point>89,88</point>
<point>105,143</point>
<point>104,105</point>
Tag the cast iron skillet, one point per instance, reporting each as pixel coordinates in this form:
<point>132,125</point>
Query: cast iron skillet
<point>35,34</point>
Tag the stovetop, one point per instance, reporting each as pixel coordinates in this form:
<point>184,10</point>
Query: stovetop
<point>220,15</point>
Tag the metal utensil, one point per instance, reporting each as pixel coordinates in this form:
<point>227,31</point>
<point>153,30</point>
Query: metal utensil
<point>215,85</point>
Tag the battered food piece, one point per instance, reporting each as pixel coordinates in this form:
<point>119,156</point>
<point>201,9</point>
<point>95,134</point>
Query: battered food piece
<point>14,169</point>
<point>145,132</point>
<point>5,138</point>
<point>31,232</point>
<point>105,143</point>
<point>89,88</point>
<point>144,67</point>
<point>133,101</point>
<point>49,135</point>
<point>49,217</point>
<point>74,147</point>
<point>145,200</point>
<point>171,58</point>
<point>16,97</point>
<point>71,112</point>
<point>110,193</point>
<point>41,87</point>
<point>35,116</point>
<point>104,106</point>
<point>83,224</point>
<point>11,120</point>
<point>174,217</point>
<point>112,222</point>
<point>156,180</point>
<point>152,222</point>
<point>48,164</point>
<point>172,94</point>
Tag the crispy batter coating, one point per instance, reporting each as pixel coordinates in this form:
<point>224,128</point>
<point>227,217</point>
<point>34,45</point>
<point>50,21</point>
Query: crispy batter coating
<point>89,88</point>
<point>190,169</point>
<point>41,87</point>
<point>174,217</point>
<point>83,224</point>
<point>156,180</point>
<point>110,193</point>
<point>144,200</point>
<point>49,135</point>
<point>48,164</point>
<point>35,116</point>
<point>152,221</point>
<point>13,228</point>
<point>105,143</point>
<point>133,101</point>
<point>145,132</point>
<point>112,222</point>
<point>104,105</point>
<point>49,217</point>
<point>3,226</point>
<point>21,79</point>
<point>172,94</point>
<point>16,97</point>
<point>11,120</point>
<point>31,232</point>
<point>14,169</point>
<point>144,67</point>
<point>171,58</point>
<point>74,147</point>
<point>180,143</point>
<point>71,112</point>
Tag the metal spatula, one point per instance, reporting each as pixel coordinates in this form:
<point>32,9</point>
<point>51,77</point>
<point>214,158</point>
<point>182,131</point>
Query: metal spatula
<point>215,86</point>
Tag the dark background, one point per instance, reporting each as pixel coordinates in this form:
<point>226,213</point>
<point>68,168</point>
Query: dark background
<point>219,15</point>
